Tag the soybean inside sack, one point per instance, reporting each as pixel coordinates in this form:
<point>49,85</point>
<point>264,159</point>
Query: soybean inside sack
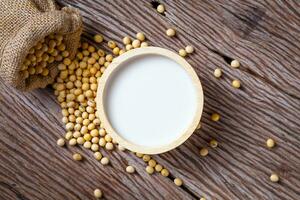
<point>25,22</point>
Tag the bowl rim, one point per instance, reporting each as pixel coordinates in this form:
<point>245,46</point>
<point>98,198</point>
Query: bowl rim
<point>100,102</point>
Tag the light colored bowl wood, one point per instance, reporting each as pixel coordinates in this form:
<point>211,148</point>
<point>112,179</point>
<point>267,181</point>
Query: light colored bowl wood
<point>101,104</point>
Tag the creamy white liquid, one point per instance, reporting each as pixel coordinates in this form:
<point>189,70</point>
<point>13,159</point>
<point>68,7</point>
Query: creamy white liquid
<point>150,100</point>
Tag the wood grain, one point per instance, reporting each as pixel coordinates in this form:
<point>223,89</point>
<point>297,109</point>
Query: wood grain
<point>263,35</point>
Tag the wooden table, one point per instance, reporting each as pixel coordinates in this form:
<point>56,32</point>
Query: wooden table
<point>263,35</point>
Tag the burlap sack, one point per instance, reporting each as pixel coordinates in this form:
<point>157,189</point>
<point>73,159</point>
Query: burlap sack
<point>22,24</point>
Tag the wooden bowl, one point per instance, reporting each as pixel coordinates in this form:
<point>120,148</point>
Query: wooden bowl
<point>150,100</point>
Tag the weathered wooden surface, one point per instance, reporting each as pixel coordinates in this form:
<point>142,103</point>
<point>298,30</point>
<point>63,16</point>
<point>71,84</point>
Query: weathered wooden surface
<point>263,35</point>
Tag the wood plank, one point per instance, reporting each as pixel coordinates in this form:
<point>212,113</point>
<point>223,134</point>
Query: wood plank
<point>245,29</point>
<point>33,167</point>
<point>264,36</point>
